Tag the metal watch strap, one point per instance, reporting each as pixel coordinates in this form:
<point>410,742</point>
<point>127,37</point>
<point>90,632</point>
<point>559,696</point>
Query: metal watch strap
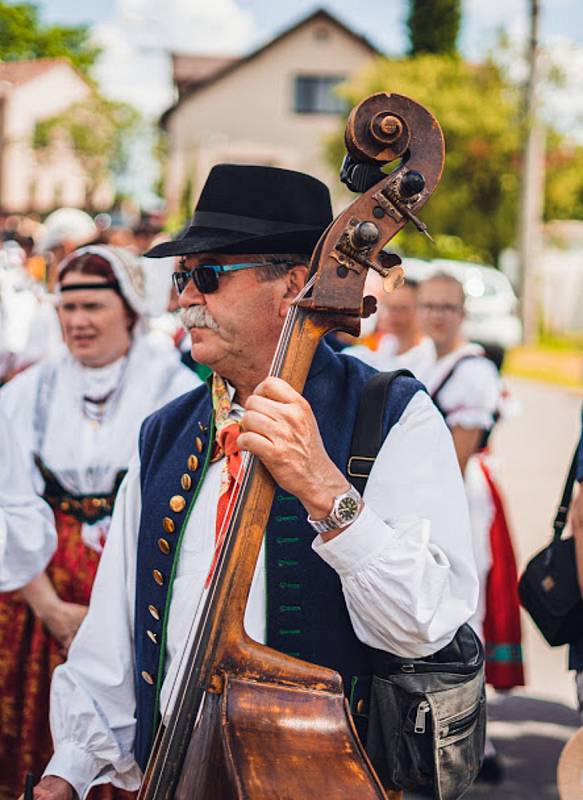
<point>333,521</point>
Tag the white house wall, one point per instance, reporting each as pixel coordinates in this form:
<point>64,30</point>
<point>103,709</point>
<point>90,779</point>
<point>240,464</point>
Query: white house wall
<point>248,117</point>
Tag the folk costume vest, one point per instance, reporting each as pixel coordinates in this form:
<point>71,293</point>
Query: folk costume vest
<point>175,448</point>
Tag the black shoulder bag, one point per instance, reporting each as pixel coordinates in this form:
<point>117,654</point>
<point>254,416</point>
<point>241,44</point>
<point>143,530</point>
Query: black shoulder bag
<point>427,717</point>
<point>549,589</point>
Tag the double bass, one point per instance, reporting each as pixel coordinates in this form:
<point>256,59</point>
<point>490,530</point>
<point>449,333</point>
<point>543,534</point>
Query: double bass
<point>248,722</point>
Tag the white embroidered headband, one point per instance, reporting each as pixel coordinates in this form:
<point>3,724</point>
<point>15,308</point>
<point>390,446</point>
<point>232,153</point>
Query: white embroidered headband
<point>128,271</point>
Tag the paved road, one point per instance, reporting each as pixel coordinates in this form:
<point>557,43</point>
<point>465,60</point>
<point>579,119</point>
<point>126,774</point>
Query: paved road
<point>530,727</point>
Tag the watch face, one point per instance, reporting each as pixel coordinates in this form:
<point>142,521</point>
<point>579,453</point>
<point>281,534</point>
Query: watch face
<point>347,509</point>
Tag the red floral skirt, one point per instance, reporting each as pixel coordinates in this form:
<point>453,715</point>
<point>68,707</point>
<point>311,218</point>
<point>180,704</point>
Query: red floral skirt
<point>28,656</point>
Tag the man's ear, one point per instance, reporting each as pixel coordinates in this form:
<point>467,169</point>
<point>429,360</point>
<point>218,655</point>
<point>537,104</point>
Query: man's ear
<point>295,280</point>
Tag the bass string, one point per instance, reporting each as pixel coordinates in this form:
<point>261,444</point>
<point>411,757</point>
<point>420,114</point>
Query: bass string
<point>233,507</point>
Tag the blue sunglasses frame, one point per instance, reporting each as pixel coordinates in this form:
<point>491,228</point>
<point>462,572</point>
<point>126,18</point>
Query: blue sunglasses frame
<point>206,276</point>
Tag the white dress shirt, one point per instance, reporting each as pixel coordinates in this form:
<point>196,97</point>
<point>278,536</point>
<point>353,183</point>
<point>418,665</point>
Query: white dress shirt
<point>406,567</point>
<point>27,526</point>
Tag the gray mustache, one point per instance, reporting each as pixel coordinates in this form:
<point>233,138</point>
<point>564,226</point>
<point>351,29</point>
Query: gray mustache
<point>197,317</point>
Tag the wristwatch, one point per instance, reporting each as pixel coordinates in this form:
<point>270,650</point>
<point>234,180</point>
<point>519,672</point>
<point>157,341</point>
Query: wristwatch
<point>346,508</point>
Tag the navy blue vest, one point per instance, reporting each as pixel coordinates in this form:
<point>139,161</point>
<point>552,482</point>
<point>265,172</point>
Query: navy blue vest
<point>175,445</point>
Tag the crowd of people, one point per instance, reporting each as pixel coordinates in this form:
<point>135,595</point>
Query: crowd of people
<point>108,343</point>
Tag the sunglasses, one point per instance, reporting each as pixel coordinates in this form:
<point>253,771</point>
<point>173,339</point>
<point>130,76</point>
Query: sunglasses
<point>206,276</point>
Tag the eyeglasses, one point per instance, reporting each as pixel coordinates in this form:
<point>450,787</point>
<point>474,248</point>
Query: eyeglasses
<point>440,308</point>
<point>206,276</point>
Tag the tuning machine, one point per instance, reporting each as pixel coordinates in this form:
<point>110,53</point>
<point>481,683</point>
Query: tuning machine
<point>389,268</point>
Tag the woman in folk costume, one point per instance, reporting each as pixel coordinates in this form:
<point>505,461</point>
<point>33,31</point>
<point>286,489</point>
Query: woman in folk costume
<point>466,388</point>
<point>77,416</point>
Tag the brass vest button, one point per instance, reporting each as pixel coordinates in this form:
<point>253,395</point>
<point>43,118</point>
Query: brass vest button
<point>198,443</point>
<point>64,506</point>
<point>152,636</point>
<point>168,525</point>
<point>148,678</point>
<point>186,482</point>
<point>154,612</point>
<point>177,503</point>
<point>158,577</point>
<point>360,706</point>
<point>164,546</point>
<point>192,463</point>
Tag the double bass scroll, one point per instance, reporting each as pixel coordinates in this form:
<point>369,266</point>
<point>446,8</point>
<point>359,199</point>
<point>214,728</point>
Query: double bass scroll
<point>250,723</point>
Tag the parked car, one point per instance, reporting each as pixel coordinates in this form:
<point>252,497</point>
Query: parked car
<point>491,304</point>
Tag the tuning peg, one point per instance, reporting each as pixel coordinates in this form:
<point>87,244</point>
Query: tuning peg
<point>389,260</point>
<point>369,306</point>
<point>394,278</point>
<point>412,183</point>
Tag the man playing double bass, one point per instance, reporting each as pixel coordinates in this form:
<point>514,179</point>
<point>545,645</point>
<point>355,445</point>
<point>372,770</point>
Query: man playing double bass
<point>392,569</point>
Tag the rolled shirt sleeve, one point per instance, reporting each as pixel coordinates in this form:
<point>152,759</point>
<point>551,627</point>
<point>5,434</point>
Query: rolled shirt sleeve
<point>92,693</point>
<point>406,564</point>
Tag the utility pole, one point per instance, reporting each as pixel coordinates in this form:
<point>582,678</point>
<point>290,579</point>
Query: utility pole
<point>532,188</point>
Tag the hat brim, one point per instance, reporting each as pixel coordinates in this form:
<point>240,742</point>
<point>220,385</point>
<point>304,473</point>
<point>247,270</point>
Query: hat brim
<point>213,240</point>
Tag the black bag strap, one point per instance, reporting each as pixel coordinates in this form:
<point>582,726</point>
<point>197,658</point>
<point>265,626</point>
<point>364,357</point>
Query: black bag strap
<point>447,377</point>
<point>367,437</point>
<point>563,509</point>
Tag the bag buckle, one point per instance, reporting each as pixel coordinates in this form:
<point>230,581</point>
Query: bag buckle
<point>352,467</point>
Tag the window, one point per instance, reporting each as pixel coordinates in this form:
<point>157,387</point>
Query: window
<point>314,94</point>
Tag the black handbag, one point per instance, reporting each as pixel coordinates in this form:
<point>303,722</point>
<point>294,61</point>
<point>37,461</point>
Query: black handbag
<point>549,589</point>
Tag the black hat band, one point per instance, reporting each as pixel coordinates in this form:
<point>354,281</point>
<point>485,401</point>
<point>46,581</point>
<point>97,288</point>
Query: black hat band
<point>234,222</point>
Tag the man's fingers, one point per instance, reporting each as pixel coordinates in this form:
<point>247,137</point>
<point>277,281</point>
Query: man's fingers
<point>257,444</point>
<point>264,405</point>
<point>255,422</point>
<point>277,389</point>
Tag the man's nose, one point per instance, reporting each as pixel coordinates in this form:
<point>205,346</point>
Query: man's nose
<point>190,296</point>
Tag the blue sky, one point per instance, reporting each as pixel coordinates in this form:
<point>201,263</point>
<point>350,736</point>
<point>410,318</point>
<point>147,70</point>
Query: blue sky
<point>381,20</point>
<point>137,35</point>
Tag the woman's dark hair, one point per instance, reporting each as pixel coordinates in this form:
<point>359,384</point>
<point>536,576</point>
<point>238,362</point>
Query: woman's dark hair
<point>93,264</point>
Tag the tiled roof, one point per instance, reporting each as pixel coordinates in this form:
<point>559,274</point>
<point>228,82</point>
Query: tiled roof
<point>19,72</point>
<point>195,68</point>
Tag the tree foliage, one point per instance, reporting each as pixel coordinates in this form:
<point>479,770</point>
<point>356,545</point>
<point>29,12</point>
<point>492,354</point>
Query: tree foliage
<point>99,131</point>
<point>433,26</point>
<point>23,36</point>
<point>564,179</point>
<point>474,209</point>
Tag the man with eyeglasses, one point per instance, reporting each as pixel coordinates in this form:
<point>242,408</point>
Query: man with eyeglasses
<point>392,569</point>
<point>466,388</point>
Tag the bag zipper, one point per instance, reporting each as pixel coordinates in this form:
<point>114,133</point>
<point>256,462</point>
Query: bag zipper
<point>461,724</point>
<point>422,710</point>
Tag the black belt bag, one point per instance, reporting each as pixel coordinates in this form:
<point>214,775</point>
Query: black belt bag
<point>427,716</point>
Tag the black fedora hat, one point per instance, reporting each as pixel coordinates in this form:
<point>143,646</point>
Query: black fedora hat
<point>254,209</point>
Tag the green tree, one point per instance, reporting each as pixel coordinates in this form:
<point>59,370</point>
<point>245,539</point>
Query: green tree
<point>433,26</point>
<point>99,131</point>
<point>564,179</point>
<point>473,211</point>
<point>23,36</point>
